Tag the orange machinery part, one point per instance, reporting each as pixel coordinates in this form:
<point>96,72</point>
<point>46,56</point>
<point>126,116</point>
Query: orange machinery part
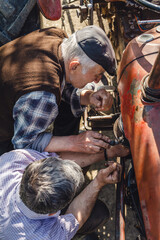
<point>141,123</point>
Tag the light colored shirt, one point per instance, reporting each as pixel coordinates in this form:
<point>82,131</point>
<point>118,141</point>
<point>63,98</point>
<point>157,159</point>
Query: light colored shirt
<point>17,221</point>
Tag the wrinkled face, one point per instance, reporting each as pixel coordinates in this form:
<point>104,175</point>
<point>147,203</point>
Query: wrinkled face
<point>79,80</point>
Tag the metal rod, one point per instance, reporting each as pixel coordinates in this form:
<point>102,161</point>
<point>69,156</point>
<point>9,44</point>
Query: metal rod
<point>148,21</point>
<point>120,207</point>
<point>97,118</point>
<point>66,7</point>
<point>149,5</point>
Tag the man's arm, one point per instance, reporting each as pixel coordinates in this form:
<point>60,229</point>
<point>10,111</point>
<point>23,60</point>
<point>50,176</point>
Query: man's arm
<point>85,159</point>
<point>85,142</point>
<point>83,204</point>
<point>33,113</point>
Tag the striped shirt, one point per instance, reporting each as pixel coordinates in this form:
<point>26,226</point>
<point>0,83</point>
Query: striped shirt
<point>17,222</point>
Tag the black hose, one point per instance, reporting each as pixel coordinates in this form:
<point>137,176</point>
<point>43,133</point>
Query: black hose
<point>149,5</point>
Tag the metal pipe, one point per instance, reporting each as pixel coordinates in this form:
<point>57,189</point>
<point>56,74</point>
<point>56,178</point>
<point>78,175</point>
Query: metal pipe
<point>148,21</point>
<point>120,206</point>
<point>72,6</point>
<point>149,5</point>
<point>104,117</point>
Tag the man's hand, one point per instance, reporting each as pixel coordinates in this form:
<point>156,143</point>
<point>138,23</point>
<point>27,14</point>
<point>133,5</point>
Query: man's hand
<point>82,205</point>
<point>117,151</point>
<point>102,100</point>
<point>91,142</point>
<point>111,174</point>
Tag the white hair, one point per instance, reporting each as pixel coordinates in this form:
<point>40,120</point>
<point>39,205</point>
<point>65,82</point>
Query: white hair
<point>71,50</point>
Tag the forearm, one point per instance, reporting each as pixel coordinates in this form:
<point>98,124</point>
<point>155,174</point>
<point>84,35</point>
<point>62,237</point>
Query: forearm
<point>61,144</point>
<point>86,159</point>
<point>83,204</point>
<point>80,143</point>
<point>82,159</point>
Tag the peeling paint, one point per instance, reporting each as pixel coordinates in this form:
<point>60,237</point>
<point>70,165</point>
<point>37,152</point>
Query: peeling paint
<point>134,87</point>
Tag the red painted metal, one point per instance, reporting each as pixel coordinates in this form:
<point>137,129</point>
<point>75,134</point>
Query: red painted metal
<point>154,77</point>
<point>142,127</point>
<point>51,9</point>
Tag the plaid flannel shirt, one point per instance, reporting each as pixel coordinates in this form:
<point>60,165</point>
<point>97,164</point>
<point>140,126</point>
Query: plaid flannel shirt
<point>35,111</point>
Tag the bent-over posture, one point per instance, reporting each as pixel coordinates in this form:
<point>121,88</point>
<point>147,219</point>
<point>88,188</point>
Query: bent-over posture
<point>41,196</point>
<point>40,77</point>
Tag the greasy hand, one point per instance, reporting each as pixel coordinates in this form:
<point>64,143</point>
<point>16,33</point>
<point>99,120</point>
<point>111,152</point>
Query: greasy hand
<point>118,151</point>
<point>91,142</point>
<point>102,100</point>
<point>111,174</point>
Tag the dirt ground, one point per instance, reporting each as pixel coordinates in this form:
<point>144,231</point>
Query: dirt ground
<point>70,23</point>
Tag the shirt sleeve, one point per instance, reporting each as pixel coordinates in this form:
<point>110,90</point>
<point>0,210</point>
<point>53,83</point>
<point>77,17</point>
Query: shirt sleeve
<point>70,96</point>
<point>63,227</point>
<point>69,224</point>
<point>32,114</point>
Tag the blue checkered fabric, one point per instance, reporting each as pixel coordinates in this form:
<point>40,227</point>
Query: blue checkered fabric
<point>34,112</point>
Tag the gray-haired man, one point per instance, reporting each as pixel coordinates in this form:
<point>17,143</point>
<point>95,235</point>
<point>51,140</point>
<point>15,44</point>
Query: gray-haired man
<point>36,187</point>
<point>39,70</point>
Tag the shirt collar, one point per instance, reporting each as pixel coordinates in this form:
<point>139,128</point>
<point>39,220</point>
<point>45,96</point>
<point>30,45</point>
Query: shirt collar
<point>29,213</point>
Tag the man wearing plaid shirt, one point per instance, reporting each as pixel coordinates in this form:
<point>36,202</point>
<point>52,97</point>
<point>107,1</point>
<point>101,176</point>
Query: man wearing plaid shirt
<point>42,70</point>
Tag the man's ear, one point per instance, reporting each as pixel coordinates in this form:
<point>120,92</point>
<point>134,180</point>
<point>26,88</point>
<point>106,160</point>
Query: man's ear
<point>73,65</point>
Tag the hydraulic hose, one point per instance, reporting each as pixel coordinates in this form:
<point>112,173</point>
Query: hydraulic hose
<point>149,5</point>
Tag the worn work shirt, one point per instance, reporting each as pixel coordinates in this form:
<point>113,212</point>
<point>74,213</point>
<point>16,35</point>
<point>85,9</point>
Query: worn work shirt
<point>17,222</point>
<point>35,111</point>
<point>30,63</point>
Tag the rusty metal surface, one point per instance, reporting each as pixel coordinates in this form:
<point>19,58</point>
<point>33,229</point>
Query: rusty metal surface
<point>142,127</point>
<point>51,9</point>
<point>154,77</point>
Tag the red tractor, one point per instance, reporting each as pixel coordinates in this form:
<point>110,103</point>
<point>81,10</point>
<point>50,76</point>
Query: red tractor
<point>139,90</point>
